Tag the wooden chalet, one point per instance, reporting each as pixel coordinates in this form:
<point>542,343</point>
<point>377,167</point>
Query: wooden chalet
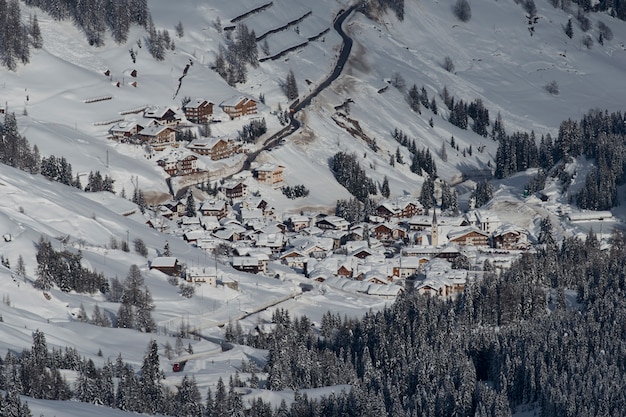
<point>470,236</point>
<point>179,165</point>
<point>399,208</point>
<point>235,189</point>
<point>217,208</point>
<point>510,238</point>
<point>124,130</point>
<point>169,265</point>
<point>198,111</point>
<point>165,116</point>
<point>238,106</point>
<point>270,174</point>
<point>216,148</point>
<point>333,223</point>
<point>158,137</point>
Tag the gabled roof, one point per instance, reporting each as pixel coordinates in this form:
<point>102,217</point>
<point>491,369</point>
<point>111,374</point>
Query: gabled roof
<point>235,100</point>
<point>455,234</point>
<point>164,262</point>
<point>154,130</point>
<point>157,112</point>
<point>124,127</point>
<point>196,102</point>
<point>212,205</point>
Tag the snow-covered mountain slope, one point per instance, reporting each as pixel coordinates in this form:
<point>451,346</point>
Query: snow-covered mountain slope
<point>496,59</point>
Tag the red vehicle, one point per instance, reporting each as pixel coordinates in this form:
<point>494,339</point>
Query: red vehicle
<point>178,366</point>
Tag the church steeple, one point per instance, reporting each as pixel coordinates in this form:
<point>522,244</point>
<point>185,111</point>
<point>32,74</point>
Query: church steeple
<point>434,231</point>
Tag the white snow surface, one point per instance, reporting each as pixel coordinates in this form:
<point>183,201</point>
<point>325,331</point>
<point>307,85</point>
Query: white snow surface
<point>496,59</point>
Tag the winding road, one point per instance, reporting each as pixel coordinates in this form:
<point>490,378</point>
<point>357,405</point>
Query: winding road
<point>300,104</point>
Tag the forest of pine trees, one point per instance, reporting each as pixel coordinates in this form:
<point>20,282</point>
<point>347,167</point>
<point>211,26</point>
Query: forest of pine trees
<point>241,50</point>
<point>16,38</point>
<point>94,17</point>
<point>598,135</point>
<point>348,172</point>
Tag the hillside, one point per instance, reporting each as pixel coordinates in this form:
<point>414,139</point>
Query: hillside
<point>71,93</point>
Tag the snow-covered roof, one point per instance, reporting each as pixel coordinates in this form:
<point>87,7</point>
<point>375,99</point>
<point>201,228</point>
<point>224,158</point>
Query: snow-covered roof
<point>164,262</point>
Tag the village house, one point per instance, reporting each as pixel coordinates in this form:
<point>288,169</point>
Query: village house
<point>234,189</point>
<point>274,241</point>
<point>298,222</point>
<point>469,236</point>
<point>407,266</point>
<point>254,264</point>
<point>238,106</point>
<point>215,147</point>
<point>401,207</point>
<point>212,207</point>
<point>509,237</point>
<point>202,275</point>
<point>123,131</point>
<point>198,111</point>
<point>169,265</point>
<point>177,165</point>
<point>158,136</point>
<point>333,223</point>
<point>294,258</point>
<point>165,116</point>
<point>388,232</point>
<point>177,208</point>
<point>270,174</point>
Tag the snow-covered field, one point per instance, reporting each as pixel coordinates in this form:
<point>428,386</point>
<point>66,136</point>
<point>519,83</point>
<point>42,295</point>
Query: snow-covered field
<point>495,57</point>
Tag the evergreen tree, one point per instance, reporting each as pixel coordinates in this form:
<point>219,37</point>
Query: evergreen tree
<point>291,86</point>
<point>190,207</point>
<point>384,190</point>
<point>151,394</point>
<point>482,193</point>
<point>427,194</point>
<point>414,99</point>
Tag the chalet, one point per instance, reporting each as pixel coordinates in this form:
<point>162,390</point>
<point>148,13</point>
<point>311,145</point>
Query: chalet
<point>298,222</point>
<point>333,223</point>
<point>217,208</point>
<point>251,217</point>
<point>255,202</point>
<point>344,270</point>
<point>198,111</point>
<point>274,241</point>
<point>177,208</point>
<point>216,147</point>
<point>123,131</point>
<point>252,264</point>
<point>192,236</point>
<point>387,231</point>
<point>165,116</point>
<point>293,259</point>
<point>407,266</point>
<point>210,223</point>
<point>201,275</point>
<point>238,106</point>
<point>270,174</point>
<point>158,136</point>
<point>363,253</point>
<point>509,237</point>
<point>231,233</point>
<point>169,265</point>
<point>399,208</point>
<point>470,236</point>
<point>234,189</point>
<point>177,165</point>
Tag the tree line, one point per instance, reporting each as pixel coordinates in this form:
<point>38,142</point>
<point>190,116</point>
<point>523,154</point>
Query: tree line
<point>510,342</point>
<point>94,17</point>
